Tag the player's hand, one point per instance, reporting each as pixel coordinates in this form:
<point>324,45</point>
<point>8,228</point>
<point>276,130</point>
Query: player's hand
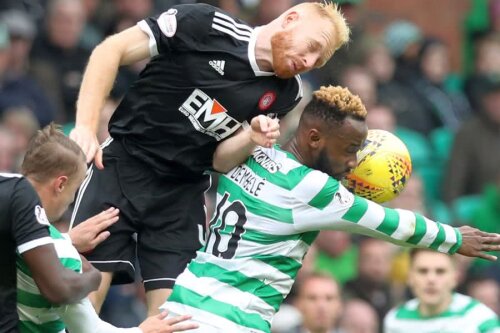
<point>91,232</point>
<point>158,324</point>
<point>265,131</point>
<point>87,140</point>
<point>476,242</point>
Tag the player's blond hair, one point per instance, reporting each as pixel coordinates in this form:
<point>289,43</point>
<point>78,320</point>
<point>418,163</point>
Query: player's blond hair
<point>330,11</point>
<point>50,153</point>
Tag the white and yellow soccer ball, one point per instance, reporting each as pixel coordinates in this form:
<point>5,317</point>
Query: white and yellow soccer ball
<point>384,166</point>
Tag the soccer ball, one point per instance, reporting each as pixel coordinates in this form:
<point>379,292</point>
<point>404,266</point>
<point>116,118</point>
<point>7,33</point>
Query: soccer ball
<point>384,166</point>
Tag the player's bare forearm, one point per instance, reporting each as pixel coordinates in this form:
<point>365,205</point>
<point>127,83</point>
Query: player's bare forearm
<point>56,283</point>
<point>263,131</point>
<point>233,151</point>
<point>124,48</point>
<point>97,82</point>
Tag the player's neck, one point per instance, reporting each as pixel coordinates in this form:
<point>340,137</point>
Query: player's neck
<point>263,50</point>
<point>293,147</point>
<point>430,310</point>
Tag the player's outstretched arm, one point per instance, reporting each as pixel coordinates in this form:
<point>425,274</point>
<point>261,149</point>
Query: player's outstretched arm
<point>82,318</point>
<point>347,212</point>
<point>476,242</point>
<point>263,131</point>
<point>409,229</point>
<point>56,283</point>
<point>124,48</point>
<point>91,232</point>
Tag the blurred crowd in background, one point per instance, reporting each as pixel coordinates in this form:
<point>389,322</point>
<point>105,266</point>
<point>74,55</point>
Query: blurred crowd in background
<point>437,90</point>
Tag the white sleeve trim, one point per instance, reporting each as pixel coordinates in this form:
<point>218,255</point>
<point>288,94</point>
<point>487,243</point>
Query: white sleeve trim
<point>81,317</point>
<point>34,243</point>
<point>153,48</point>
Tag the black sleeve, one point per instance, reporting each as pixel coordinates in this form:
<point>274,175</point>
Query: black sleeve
<point>30,226</point>
<point>181,28</point>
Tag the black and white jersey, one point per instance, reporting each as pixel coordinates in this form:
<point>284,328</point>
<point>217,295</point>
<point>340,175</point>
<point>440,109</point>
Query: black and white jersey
<point>201,85</point>
<point>23,226</point>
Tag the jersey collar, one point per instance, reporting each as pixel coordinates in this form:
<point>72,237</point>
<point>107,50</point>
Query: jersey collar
<point>251,54</point>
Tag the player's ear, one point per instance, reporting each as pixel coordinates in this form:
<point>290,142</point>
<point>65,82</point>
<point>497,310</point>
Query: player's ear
<point>290,17</point>
<point>60,183</point>
<point>315,138</point>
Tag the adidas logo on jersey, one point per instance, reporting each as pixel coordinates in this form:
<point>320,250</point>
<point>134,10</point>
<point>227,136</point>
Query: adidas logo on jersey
<point>218,65</point>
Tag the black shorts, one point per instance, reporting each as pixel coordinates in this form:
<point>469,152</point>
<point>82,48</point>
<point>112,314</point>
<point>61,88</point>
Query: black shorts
<point>166,215</point>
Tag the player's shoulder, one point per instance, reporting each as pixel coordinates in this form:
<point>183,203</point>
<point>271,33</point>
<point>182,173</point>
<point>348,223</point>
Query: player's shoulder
<point>13,183</point>
<point>471,307</point>
<point>282,160</point>
<point>219,19</point>
<point>406,310</point>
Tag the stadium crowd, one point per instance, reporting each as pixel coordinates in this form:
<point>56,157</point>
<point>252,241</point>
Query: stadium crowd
<point>450,122</point>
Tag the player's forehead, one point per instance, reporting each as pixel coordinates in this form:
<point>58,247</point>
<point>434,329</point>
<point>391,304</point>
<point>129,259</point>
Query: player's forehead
<point>431,260</point>
<point>319,285</point>
<point>319,30</point>
<point>352,131</point>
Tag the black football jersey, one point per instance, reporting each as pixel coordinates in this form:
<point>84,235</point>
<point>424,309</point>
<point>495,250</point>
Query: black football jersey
<point>23,226</point>
<point>200,86</point>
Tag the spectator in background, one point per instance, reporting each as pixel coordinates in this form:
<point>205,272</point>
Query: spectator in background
<point>17,89</point>
<point>358,317</point>
<point>128,13</point>
<point>351,55</point>
<point>21,122</point>
<point>404,102</point>
<point>58,60</point>
<point>92,33</point>
<point>486,290</point>
<point>412,196</point>
<point>336,255</point>
<point>22,31</point>
<point>7,151</point>
<point>487,216</point>
<point>437,308</point>
<point>373,281</point>
<point>486,62</point>
<point>383,117</point>
<point>403,39</point>
<point>320,303</point>
<point>475,156</point>
<point>268,10</point>
<point>443,107</point>
<point>361,83</point>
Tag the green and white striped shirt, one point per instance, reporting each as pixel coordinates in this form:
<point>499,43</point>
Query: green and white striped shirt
<point>269,211</point>
<point>36,314</point>
<point>465,315</point>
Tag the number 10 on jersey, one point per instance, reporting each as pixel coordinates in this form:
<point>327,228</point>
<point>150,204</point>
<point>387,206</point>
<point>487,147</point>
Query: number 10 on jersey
<point>226,228</point>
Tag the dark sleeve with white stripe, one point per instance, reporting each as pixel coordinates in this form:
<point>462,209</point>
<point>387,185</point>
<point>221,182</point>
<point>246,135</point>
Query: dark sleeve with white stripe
<point>181,28</point>
<point>29,222</point>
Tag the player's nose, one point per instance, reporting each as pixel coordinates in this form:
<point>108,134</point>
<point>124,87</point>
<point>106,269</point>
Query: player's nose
<point>308,61</point>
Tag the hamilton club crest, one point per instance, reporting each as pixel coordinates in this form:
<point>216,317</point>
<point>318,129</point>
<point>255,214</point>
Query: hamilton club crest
<point>267,100</point>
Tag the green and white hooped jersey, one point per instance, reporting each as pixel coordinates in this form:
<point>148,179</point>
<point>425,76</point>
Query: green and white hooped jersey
<point>36,314</point>
<point>269,211</point>
<point>465,315</point>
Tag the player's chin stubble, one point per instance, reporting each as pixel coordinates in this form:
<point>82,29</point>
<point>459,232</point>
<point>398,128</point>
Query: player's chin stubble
<point>280,43</point>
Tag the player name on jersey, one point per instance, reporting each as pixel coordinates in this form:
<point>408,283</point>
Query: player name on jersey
<point>247,179</point>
